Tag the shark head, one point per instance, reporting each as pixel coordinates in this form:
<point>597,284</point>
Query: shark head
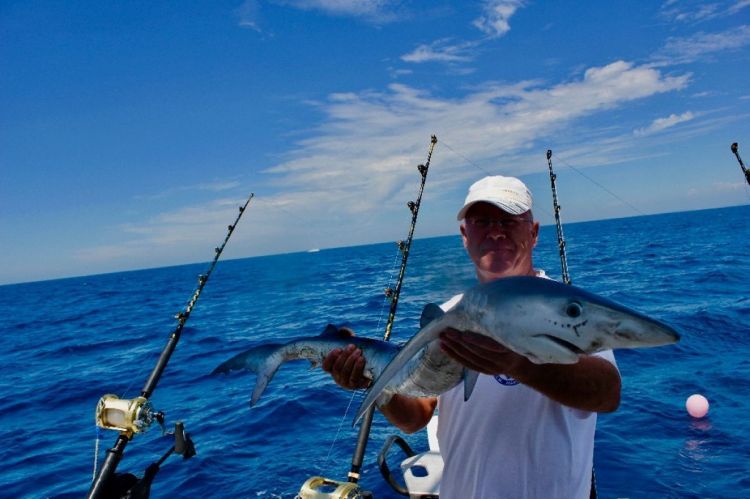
<point>550,322</point>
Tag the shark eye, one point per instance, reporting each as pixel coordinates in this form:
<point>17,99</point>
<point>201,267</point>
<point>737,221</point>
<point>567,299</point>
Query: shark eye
<point>574,309</point>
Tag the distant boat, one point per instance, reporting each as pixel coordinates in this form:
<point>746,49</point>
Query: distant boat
<point>314,250</point>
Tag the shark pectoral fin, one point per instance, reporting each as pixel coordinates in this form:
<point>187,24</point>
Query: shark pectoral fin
<point>430,312</point>
<point>470,379</point>
<point>409,350</point>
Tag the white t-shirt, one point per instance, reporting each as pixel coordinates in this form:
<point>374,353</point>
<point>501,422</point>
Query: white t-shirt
<point>510,441</point>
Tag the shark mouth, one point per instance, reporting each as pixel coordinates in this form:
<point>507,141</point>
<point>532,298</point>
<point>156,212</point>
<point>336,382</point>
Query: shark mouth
<point>565,344</point>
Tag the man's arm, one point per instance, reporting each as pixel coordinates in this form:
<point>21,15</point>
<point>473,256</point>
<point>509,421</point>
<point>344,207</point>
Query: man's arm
<point>408,414</point>
<point>592,384</point>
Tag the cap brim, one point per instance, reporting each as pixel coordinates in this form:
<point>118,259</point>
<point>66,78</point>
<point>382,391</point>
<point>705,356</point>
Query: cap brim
<point>511,210</point>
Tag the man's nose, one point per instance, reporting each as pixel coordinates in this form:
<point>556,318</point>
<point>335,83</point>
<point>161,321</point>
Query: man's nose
<point>496,233</point>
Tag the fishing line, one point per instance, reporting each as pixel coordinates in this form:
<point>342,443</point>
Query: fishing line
<point>537,209</point>
<point>464,157</point>
<point>356,394</point>
<point>96,451</point>
<point>404,246</point>
<point>599,185</point>
<point>392,295</point>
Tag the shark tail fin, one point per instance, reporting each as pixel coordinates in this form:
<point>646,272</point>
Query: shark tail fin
<point>263,361</point>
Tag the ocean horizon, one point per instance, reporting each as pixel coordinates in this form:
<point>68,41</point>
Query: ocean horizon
<point>316,249</point>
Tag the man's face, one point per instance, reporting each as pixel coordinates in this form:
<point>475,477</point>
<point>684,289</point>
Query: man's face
<point>499,244</point>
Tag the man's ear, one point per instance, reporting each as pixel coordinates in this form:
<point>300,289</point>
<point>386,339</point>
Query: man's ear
<point>535,233</point>
<point>464,237</point>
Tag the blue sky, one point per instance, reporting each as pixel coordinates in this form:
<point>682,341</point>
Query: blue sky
<point>131,131</point>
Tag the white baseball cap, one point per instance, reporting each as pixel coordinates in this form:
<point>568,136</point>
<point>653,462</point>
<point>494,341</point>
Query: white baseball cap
<point>507,193</point>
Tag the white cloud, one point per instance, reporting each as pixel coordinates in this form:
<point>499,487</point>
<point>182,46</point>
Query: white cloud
<point>660,124</point>
<point>370,140</point>
<point>496,15</point>
<point>440,51</point>
<point>380,10</point>
<point>357,168</point>
<point>178,232</point>
<point>697,11</point>
<point>689,49</point>
<point>493,22</point>
<point>248,14</point>
<point>215,186</point>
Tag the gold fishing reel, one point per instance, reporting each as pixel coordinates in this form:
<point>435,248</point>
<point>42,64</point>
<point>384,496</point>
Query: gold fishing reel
<point>318,487</point>
<point>125,415</point>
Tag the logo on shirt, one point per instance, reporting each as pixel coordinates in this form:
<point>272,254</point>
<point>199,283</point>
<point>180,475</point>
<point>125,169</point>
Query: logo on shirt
<point>505,380</point>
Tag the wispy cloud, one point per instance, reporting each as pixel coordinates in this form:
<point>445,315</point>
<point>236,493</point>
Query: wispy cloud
<point>690,49</point>
<point>660,124</point>
<point>697,11</point>
<point>178,232</point>
<point>248,14</point>
<point>494,22</point>
<point>717,188</point>
<point>216,186</point>
<point>375,10</point>
<point>392,126</point>
<point>358,166</point>
<point>441,51</point>
<point>495,18</point>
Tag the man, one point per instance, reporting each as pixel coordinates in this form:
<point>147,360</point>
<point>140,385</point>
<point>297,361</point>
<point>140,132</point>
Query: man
<point>528,430</point>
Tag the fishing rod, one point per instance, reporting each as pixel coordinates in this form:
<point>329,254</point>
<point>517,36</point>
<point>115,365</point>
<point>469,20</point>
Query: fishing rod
<point>393,295</point>
<point>349,489</point>
<point>563,262</point>
<point>136,415</point>
<point>742,165</point>
<point>560,236</point>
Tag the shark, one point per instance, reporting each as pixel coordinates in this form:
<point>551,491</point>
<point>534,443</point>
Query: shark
<point>541,319</point>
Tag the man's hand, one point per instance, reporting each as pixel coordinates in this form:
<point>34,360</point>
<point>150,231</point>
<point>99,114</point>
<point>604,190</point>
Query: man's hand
<point>347,366</point>
<point>480,353</point>
<point>591,384</point>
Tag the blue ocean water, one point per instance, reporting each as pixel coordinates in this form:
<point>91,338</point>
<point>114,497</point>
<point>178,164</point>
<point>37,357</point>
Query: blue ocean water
<point>67,342</point>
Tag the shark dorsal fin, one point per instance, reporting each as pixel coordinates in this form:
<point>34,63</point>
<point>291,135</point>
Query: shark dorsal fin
<point>333,331</point>
<point>430,312</point>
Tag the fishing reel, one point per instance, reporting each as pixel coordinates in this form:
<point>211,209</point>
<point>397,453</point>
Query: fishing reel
<point>126,415</point>
<point>318,487</point>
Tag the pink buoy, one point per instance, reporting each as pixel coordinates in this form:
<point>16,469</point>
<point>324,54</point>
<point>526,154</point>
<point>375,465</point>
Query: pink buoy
<point>697,405</point>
